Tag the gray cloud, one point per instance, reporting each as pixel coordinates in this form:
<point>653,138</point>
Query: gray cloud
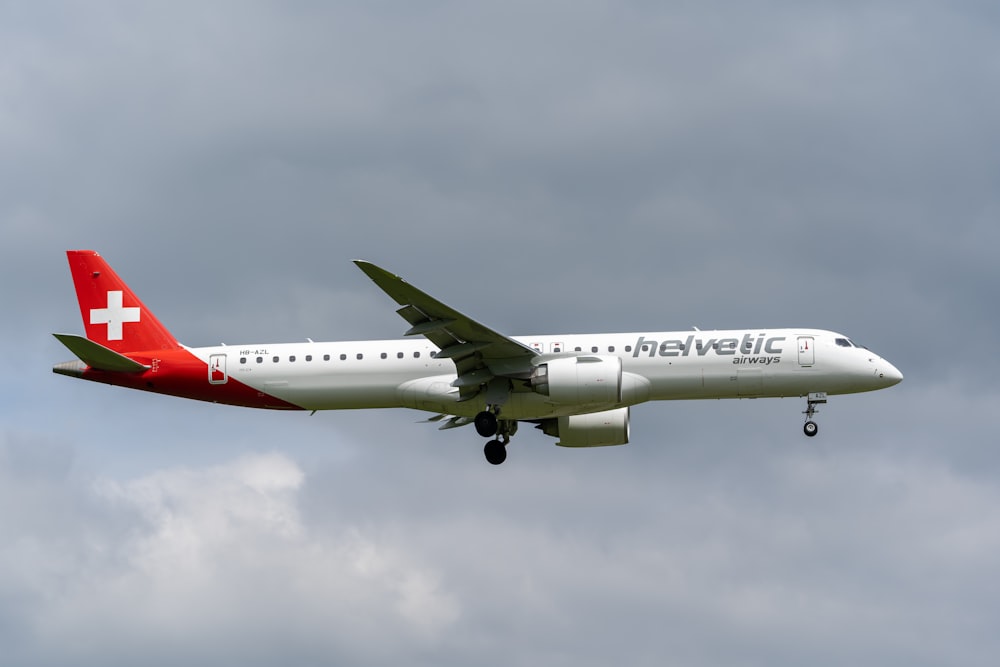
<point>759,557</point>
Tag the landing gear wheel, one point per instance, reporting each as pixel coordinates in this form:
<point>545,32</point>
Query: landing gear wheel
<point>486,424</point>
<point>496,452</point>
<point>812,400</point>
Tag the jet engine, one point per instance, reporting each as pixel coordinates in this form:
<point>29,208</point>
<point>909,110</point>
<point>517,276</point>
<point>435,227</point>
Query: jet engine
<point>597,429</point>
<point>580,380</point>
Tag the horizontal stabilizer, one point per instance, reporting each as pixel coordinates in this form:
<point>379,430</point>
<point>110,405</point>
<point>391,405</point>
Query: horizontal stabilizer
<point>97,356</point>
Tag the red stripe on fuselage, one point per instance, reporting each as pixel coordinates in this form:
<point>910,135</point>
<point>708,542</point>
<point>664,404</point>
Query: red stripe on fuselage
<point>180,373</point>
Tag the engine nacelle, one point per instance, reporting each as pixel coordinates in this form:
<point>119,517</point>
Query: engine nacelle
<point>597,429</point>
<point>580,380</point>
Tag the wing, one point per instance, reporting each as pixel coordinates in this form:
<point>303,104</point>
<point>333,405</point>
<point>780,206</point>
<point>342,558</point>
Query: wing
<point>480,354</point>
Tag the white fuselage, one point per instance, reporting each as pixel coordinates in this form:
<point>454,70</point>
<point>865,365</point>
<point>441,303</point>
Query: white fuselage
<point>657,366</point>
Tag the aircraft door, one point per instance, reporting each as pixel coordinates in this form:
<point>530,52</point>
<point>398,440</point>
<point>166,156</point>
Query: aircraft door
<point>807,352</point>
<point>217,369</point>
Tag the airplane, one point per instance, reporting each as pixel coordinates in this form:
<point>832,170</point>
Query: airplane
<point>578,388</point>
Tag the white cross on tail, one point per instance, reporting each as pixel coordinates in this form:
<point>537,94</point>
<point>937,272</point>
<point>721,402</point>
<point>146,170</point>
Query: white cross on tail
<point>114,315</point>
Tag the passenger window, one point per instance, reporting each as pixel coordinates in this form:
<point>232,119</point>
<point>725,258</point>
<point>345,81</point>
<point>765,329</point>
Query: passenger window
<point>343,357</point>
<point>628,348</point>
<point>399,355</point>
<point>260,360</point>
<point>593,349</point>
<point>326,357</point>
<point>611,348</point>
<point>275,359</point>
<point>384,355</point>
<point>291,358</point>
<point>578,349</point>
<point>309,357</point>
<point>243,360</point>
<point>360,357</point>
<point>416,355</point>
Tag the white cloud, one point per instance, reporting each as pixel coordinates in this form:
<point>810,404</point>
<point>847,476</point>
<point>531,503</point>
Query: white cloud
<point>217,561</point>
<point>716,549</point>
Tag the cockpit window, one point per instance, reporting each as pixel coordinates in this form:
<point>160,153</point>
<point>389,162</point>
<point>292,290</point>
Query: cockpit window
<point>843,342</point>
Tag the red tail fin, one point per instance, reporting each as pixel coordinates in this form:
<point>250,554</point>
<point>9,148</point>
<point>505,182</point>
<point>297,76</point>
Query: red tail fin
<point>112,314</point>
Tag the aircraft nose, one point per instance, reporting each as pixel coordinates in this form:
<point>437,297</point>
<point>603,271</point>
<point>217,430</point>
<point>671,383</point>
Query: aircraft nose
<point>889,374</point>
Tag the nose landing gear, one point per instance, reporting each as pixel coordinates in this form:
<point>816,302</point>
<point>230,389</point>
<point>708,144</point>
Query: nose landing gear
<point>811,428</point>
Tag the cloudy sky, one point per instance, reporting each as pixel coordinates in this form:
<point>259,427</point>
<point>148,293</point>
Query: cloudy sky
<point>545,167</point>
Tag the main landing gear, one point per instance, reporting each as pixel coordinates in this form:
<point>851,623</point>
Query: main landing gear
<point>496,451</point>
<point>811,428</point>
<point>489,425</point>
